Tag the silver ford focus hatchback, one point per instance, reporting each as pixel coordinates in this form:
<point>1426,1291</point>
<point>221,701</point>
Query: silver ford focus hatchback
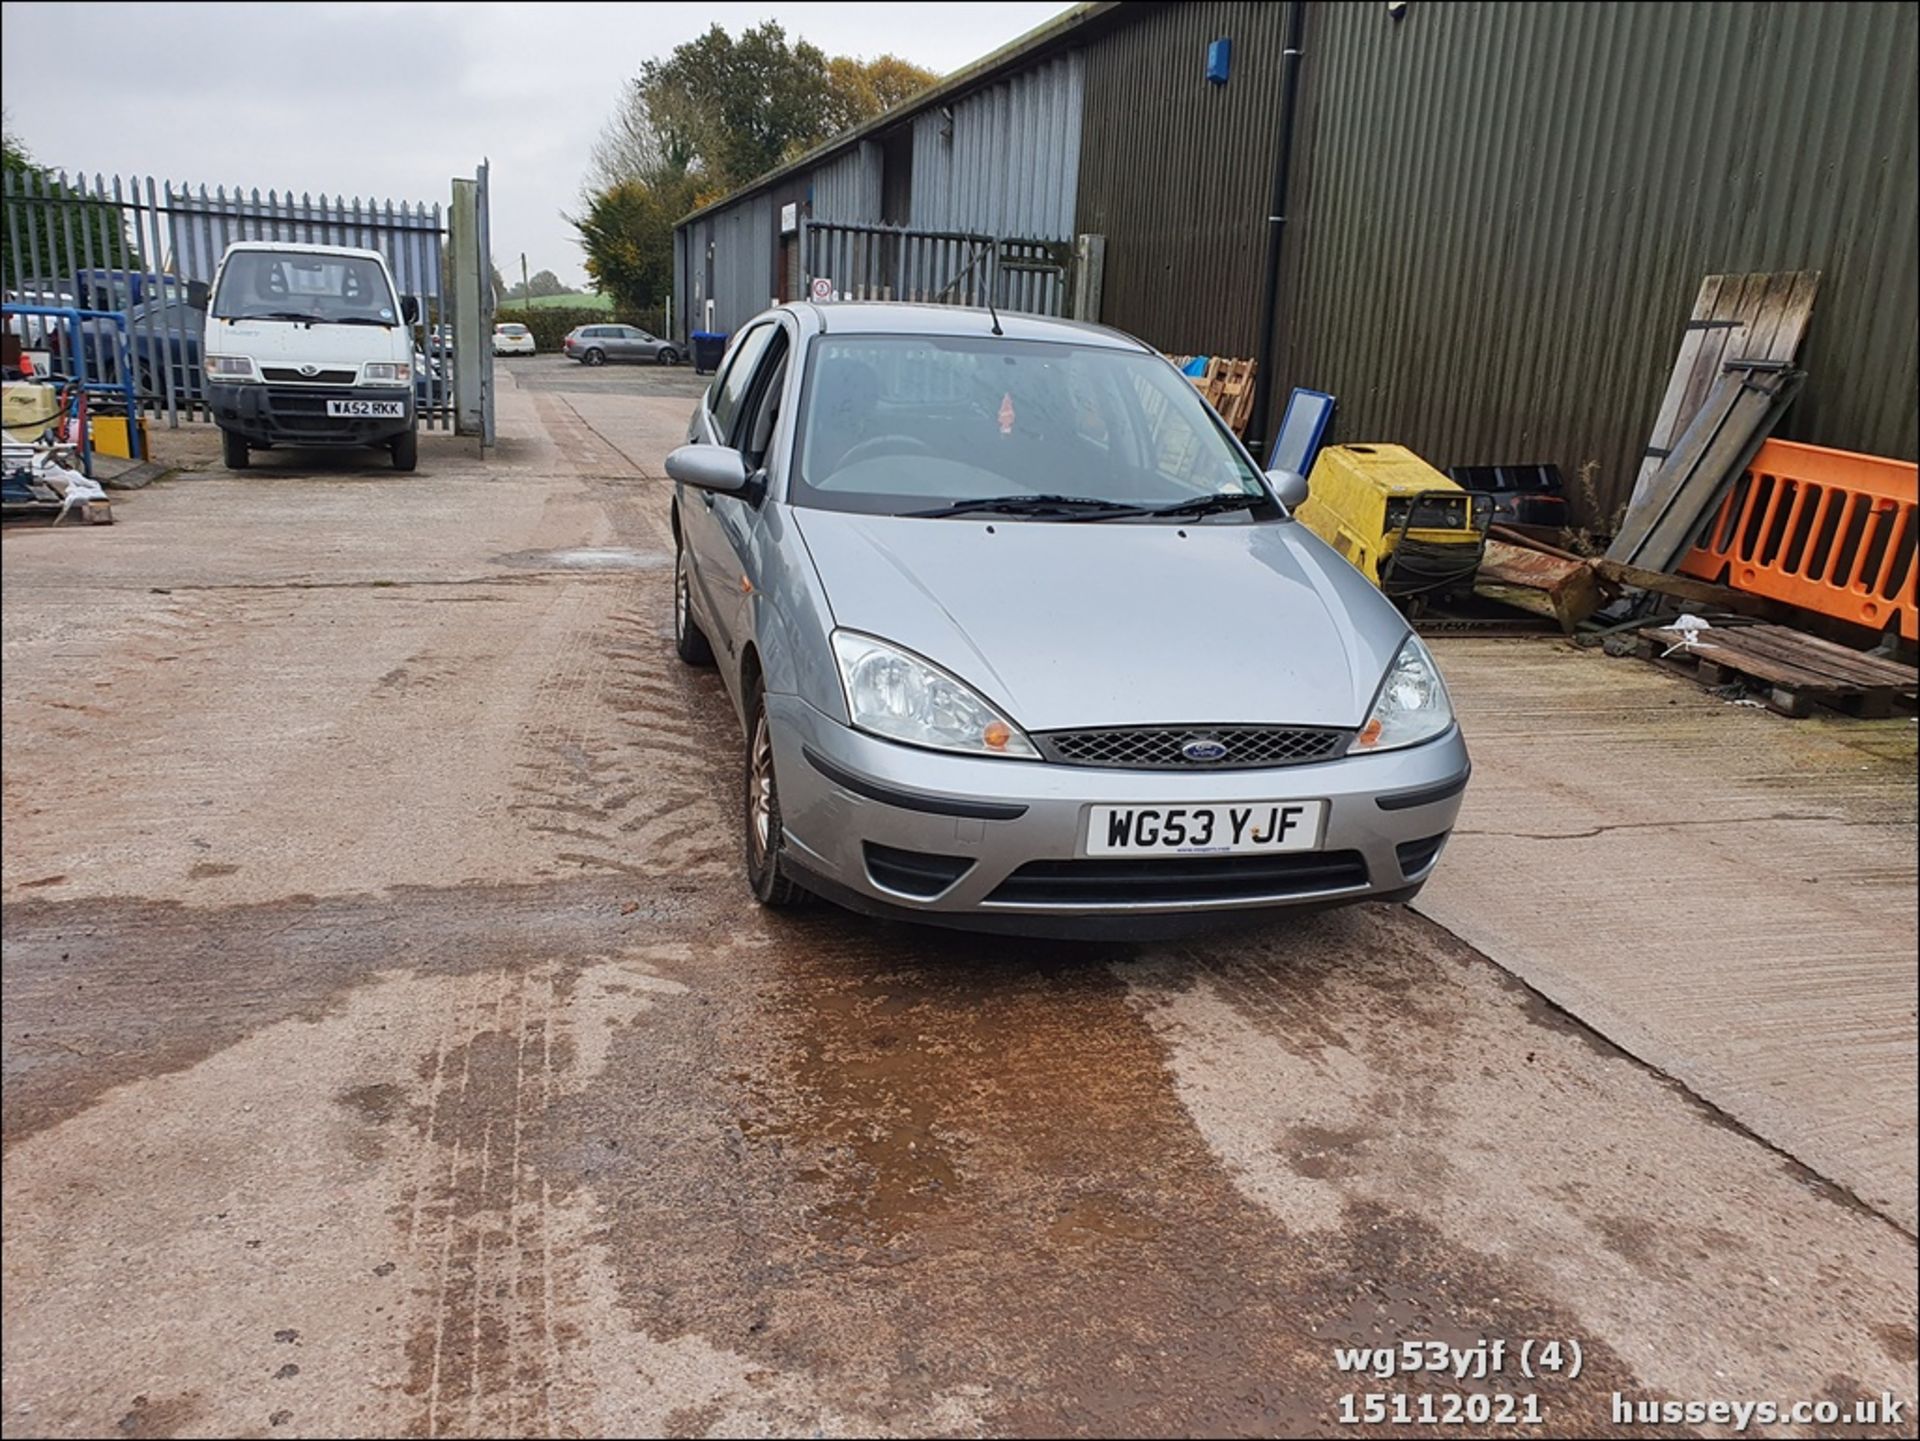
<point>1022,639</point>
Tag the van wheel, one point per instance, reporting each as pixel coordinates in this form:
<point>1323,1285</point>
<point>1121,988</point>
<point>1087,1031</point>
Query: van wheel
<point>406,451</point>
<point>594,357</point>
<point>765,840</point>
<point>233,450</point>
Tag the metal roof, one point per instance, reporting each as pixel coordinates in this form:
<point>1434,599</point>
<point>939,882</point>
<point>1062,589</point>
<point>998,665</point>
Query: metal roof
<point>1014,53</point>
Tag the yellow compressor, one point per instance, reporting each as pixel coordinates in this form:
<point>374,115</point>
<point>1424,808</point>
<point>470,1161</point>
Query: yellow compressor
<point>1404,526</point>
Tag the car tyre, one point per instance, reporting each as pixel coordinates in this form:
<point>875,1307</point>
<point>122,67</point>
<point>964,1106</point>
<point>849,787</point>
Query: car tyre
<point>233,450</point>
<point>596,356</point>
<point>764,840</point>
<point>669,356</point>
<point>689,641</point>
<point>406,451</point>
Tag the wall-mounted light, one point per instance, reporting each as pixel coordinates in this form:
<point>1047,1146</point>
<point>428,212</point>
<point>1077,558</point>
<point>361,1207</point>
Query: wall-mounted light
<point>1219,61</point>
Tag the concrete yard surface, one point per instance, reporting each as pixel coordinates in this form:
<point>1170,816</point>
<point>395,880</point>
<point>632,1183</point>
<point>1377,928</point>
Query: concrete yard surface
<point>392,1046</point>
<point>1727,893</point>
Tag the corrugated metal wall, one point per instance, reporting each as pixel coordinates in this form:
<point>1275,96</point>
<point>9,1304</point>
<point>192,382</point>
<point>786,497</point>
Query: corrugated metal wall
<point>1504,211</point>
<point>1009,162</point>
<point>847,187</point>
<point>1176,172</point>
<point>743,254</point>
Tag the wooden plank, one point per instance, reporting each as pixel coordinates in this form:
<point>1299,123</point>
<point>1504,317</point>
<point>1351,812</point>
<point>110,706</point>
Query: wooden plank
<point>1757,316</point>
<point>1567,588</point>
<point>1666,423</point>
<point>1775,672</point>
<point>1823,656</point>
<point>1697,592</point>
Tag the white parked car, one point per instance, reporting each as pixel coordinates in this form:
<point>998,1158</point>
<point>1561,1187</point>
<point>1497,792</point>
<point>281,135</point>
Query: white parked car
<point>513,340</point>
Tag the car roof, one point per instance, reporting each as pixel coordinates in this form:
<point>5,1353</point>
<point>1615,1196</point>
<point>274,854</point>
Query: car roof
<point>301,247</point>
<point>892,317</point>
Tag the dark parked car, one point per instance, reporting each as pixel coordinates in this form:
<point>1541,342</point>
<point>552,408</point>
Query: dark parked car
<point>598,344</point>
<point>161,335</point>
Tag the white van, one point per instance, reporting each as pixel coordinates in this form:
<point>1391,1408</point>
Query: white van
<point>309,345</point>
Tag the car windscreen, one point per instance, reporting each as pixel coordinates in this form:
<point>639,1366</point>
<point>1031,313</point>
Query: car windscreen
<point>301,285</point>
<point>896,424</point>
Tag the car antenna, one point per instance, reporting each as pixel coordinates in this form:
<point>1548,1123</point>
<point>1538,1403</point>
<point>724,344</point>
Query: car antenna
<point>991,311</point>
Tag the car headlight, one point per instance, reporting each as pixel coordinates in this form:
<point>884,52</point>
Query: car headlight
<point>386,372</point>
<point>1412,705</point>
<point>231,367</point>
<point>894,693</point>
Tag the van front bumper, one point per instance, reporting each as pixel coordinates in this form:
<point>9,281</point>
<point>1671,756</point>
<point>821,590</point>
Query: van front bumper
<point>881,827</point>
<point>297,414</point>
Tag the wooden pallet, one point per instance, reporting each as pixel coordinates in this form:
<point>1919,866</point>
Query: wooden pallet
<point>1790,671</point>
<point>1227,386</point>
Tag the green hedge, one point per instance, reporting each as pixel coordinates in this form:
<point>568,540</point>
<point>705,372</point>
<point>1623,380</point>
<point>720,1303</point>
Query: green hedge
<point>549,327</point>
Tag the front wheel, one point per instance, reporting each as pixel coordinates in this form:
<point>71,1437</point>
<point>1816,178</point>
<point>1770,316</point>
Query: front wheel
<point>669,356</point>
<point>689,641</point>
<point>406,451</point>
<point>594,357</point>
<point>233,450</point>
<point>765,840</point>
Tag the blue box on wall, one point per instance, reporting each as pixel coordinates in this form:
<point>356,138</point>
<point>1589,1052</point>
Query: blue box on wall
<point>1219,59</point>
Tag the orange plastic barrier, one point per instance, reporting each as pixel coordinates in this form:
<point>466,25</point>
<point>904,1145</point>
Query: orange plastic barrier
<point>1827,530</point>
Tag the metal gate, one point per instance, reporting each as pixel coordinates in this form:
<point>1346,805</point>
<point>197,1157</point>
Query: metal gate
<point>941,267</point>
<point>142,247</point>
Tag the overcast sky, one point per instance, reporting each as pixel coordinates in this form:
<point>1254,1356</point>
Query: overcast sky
<point>391,101</point>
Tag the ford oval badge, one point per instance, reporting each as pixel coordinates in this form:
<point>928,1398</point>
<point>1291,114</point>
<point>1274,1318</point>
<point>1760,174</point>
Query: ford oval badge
<point>1203,748</point>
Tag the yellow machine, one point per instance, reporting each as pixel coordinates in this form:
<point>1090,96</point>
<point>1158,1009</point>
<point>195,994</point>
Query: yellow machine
<point>1405,526</point>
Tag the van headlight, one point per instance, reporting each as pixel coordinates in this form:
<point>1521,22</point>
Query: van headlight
<point>231,367</point>
<point>895,694</point>
<point>1412,704</point>
<point>386,372</point>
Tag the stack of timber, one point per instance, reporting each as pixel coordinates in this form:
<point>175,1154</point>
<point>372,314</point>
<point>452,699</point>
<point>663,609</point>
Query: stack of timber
<point>1226,385</point>
<point>1790,671</point>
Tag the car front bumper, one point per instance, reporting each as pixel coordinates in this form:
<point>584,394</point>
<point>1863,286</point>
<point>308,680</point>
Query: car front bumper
<point>297,414</point>
<point>849,800</point>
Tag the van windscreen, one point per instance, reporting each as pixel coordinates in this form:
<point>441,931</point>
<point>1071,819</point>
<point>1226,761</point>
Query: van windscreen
<point>302,285</point>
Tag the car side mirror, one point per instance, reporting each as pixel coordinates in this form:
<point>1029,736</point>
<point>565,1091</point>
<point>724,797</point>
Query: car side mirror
<point>1290,486</point>
<point>198,293</point>
<point>410,309</point>
<point>709,467</point>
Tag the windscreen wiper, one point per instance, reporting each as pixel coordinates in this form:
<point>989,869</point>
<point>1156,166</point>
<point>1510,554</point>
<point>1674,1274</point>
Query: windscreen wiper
<point>1211,504</point>
<point>1065,507</point>
<point>280,315</point>
<point>360,320</point>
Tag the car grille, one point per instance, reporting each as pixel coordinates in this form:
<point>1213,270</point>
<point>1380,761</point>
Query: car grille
<point>286,375</point>
<point>1181,879</point>
<point>1160,747</point>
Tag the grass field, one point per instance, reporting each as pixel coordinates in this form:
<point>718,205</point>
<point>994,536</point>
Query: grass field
<point>561,302</point>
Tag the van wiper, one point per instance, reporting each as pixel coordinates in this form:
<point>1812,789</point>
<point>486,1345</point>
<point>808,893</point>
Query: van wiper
<point>1066,507</point>
<point>1211,504</point>
<point>280,315</point>
<point>360,320</point>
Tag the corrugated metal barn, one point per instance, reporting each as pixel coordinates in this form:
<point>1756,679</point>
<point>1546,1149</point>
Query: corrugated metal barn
<point>1497,217</point>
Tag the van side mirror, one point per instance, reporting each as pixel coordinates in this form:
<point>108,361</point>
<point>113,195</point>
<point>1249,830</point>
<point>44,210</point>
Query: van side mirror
<point>410,309</point>
<point>1290,486</point>
<point>198,293</point>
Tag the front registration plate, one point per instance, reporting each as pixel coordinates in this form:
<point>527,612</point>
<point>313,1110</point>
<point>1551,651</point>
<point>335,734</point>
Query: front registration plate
<point>375,409</point>
<point>1217,830</point>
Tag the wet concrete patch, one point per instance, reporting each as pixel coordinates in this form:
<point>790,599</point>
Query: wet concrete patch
<point>587,558</point>
<point>101,992</point>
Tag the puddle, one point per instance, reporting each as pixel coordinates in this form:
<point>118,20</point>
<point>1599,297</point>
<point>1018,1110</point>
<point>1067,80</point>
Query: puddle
<point>587,558</point>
